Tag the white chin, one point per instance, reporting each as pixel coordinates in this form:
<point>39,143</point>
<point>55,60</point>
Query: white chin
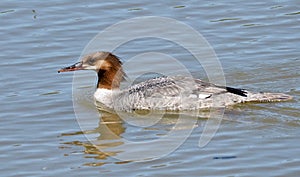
<point>90,67</point>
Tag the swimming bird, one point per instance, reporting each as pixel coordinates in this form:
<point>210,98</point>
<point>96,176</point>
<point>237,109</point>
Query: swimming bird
<point>173,93</point>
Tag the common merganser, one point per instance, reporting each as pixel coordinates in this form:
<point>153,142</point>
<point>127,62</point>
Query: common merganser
<point>174,93</point>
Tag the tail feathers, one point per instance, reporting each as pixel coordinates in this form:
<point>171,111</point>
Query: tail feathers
<point>267,97</point>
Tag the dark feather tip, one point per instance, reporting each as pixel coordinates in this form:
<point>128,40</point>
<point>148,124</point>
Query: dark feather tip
<point>240,92</point>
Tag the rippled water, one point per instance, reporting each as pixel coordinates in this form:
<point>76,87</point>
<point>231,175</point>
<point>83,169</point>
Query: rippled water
<point>257,44</point>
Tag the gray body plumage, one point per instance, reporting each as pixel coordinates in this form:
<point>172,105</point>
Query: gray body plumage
<point>183,93</point>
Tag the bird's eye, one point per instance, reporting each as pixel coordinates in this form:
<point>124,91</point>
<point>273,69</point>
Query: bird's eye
<point>92,60</point>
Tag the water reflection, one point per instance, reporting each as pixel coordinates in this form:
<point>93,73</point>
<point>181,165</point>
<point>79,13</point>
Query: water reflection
<point>116,138</point>
<point>109,130</point>
<point>142,135</point>
<point>135,136</point>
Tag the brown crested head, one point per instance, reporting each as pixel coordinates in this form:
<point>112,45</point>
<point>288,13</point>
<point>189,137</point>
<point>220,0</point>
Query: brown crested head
<point>107,65</point>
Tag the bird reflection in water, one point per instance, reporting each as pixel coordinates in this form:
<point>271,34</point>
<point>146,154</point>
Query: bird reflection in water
<point>110,137</point>
<point>110,128</point>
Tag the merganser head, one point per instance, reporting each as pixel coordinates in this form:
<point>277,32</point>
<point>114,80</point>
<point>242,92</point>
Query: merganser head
<point>107,65</point>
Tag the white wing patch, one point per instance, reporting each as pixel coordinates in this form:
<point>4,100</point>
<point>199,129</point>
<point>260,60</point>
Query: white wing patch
<point>203,96</point>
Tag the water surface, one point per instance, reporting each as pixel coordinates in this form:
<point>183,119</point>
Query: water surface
<point>257,44</point>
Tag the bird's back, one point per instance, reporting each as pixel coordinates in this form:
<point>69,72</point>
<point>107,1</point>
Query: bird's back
<point>184,93</point>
